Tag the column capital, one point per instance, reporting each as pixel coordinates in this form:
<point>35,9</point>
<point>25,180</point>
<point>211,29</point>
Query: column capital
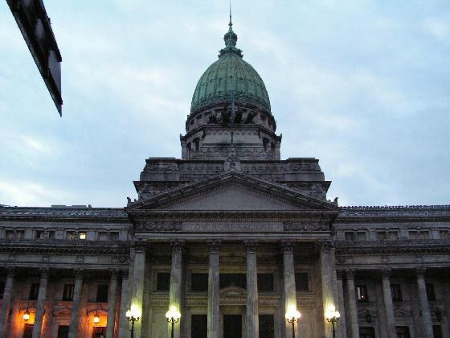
<point>140,246</point>
<point>125,273</point>
<point>214,245</point>
<point>420,271</point>
<point>113,273</point>
<point>350,274</point>
<point>79,273</point>
<point>177,245</point>
<point>385,273</point>
<point>44,272</point>
<point>288,246</point>
<point>251,245</point>
<point>326,244</point>
<point>340,274</point>
<point>11,270</point>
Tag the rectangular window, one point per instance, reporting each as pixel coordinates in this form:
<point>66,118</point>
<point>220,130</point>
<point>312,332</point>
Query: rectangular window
<point>162,281</point>
<point>199,326</point>
<point>361,293</point>
<point>233,279</point>
<point>396,292</point>
<point>265,282</point>
<point>34,291</point>
<point>366,332</point>
<point>51,234</point>
<point>20,234</point>
<point>430,291</point>
<point>199,282</point>
<point>302,281</point>
<point>76,235</point>
<point>102,293</point>
<point>2,289</point>
<point>381,235</point>
<point>39,234</point>
<point>266,326</point>
<point>102,236</point>
<point>68,292</point>
<point>349,236</point>
<point>361,236</point>
<point>413,235</point>
<point>63,331</point>
<point>402,331</point>
<point>114,236</point>
<point>393,235</point>
<point>9,234</point>
<point>28,331</point>
<point>443,234</point>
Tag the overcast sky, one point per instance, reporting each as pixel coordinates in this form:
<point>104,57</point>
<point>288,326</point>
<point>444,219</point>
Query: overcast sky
<point>362,85</point>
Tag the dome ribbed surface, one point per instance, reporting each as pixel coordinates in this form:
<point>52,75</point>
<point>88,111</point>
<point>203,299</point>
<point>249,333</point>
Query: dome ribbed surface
<point>230,73</point>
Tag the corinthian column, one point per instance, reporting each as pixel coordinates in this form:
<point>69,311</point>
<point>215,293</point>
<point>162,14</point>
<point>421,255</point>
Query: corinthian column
<point>328,282</point>
<point>37,327</point>
<point>353,311</point>
<point>290,297</point>
<point>389,306</point>
<point>138,284</point>
<point>175,281</point>
<point>213,289</point>
<point>112,295</point>
<point>341,308</point>
<point>124,305</point>
<point>74,315</point>
<point>252,290</point>
<point>424,307</point>
<point>7,291</point>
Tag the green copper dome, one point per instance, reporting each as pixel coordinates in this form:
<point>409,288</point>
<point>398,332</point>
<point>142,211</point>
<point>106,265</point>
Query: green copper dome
<point>230,74</point>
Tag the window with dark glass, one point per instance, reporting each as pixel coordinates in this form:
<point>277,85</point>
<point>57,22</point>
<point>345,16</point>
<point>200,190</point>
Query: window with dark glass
<point>199,326</point>
<point>396,292</point>
<point>437,331</point>
<point>34,291</point>
<point>28,331</point>
<point>366,332</point>
<point>302,281</point>
<point>266,326</point>
<point>39,234</point>
<point>349,235</point>
<point>361,236</point>
<point>162,281</point>
<point>63,331</point>
<point>9,234</point>
<point>430,291</point>
<point>68,292</point>
<point>2,289</point>
<point>402,331</point>
<point>102,293</point>
<point>199,282</point>
<point>233,279</point>
<point>381,235</point>
<point>361,293</point>
<point>265,282</point>
<point>99,332</point>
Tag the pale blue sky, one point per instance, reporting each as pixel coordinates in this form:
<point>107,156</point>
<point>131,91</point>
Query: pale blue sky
<point>362,85</point>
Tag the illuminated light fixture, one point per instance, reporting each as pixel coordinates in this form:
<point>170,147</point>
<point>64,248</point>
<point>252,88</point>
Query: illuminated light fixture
<point>292,316</point>
<point>26,315</point>
<point>333,316</point>
<point>173,316</point>
<point>96,318</point>
<point>82,235</point>
<point>133,315</point>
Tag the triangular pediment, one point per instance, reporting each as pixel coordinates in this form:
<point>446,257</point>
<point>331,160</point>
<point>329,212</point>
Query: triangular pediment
<point>233,191</point>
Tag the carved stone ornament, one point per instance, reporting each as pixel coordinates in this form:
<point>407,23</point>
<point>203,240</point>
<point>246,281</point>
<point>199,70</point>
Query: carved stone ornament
<point>288,246</point>
<point>80,259</point>
<point>152,226</point>
<point>307,226</point>
<point>251,245</point>
<point>326,244</point>
<point>177,245</point>
<point>214,245</point>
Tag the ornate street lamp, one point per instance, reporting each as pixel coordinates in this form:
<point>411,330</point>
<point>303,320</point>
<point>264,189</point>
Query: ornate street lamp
<point>332,316</point>
<point>292,316</point>
<point>26,315</point>
<point>173,316</point>
<point>133,315</point>
<point>96,318</point>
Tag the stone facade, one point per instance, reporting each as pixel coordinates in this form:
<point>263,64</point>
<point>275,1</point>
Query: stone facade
<point>233,238</point>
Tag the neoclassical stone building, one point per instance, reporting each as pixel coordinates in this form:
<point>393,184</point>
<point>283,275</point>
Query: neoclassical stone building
<point>232,237</point>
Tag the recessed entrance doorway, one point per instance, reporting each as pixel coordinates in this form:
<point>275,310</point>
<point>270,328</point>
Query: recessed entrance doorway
<point>232,326</point>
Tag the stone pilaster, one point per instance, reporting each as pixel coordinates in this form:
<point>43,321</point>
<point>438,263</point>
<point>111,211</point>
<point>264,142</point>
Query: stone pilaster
<point>328,282</point>
<point>427,325</point>
<point>213,289</point>
<point>124,306</point>
<point>112,296</point>
<point>290,296</point>
<point>137,283</point>
<point>176,281</point>
<point>74,315</point>
<point>40,305</point>
<point>7,292</point>
<point>353,310</point>
<point>342,325</point>
<point>252,290</point>
<point>388,305</point>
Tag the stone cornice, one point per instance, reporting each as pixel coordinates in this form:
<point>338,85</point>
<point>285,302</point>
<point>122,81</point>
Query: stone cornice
<point>95,215</point>
<point>381,214</point>
<point>426,246</point>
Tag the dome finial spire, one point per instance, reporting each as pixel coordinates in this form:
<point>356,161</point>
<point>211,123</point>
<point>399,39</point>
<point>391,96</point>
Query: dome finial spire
<point>231,17</point>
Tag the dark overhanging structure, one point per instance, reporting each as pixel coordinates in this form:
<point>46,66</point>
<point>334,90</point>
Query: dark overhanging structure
<point>34,23</point>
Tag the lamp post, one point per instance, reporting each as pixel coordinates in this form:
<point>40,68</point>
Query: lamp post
<point>332,317</point>
<point>292,316</point>
<point>133,316</point>
<point>173,316</point>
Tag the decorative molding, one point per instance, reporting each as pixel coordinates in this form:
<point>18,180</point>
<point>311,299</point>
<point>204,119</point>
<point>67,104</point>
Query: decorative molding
<point>158,226</point>
<point>214,245</point>
<point>288,246</point>
<point>305,226</point>
<point>251,246</point>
